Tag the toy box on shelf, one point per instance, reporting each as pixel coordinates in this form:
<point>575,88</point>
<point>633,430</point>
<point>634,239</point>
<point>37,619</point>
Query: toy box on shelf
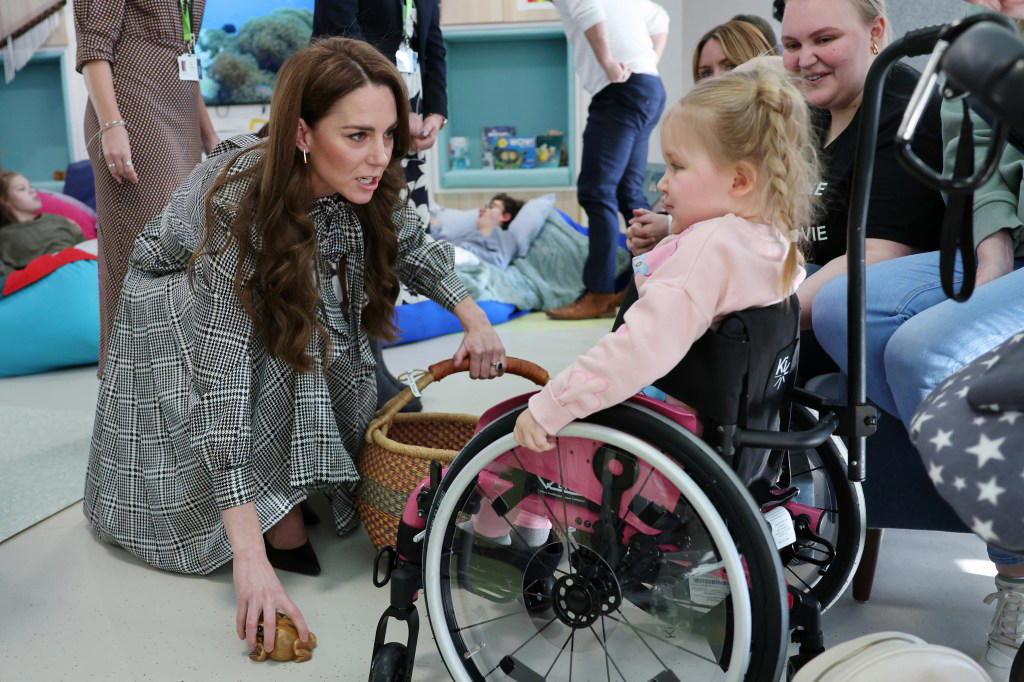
<point>458,153</point>
<point>489,136</point>
<point>549,150</point>
<point>515,152</point>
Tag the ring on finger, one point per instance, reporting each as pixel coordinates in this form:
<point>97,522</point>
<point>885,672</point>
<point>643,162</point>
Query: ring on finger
<point>128,164</point>
<point>111,165</point>
<point>499,366</point>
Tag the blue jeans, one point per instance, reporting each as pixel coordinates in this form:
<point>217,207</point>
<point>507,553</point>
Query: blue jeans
<point>620,120</point>
<point>916,337</point>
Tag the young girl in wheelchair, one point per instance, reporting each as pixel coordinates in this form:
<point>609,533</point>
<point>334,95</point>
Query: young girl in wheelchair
<point>614,537</point>
<point>740,156</point>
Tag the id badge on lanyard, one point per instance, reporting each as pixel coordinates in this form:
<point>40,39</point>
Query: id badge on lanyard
<point>406,58</point>
<point>188,63</point>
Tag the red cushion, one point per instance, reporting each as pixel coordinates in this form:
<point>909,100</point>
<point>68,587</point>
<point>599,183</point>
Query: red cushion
<point>41,267</point>
<point>72,209</point>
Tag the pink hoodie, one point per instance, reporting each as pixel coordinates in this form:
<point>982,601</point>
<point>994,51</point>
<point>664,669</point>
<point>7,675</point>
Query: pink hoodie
<point>687,284</point>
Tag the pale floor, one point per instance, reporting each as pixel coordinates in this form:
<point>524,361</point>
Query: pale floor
<point>77,609</point>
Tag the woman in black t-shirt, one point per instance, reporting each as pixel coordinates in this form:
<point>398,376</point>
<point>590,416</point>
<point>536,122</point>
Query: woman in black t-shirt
<point>830,46</point>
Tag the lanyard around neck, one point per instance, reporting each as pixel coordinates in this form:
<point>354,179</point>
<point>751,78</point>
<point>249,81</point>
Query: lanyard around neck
<point>406,23</point>
<point>186,22</point>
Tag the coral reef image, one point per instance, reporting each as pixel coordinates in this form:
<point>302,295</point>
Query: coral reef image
<point>242,50</point>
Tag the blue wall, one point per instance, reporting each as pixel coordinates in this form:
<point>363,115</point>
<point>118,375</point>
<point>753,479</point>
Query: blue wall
<point>34,135</point>
<point>507,82</point>
<point>518,77</point>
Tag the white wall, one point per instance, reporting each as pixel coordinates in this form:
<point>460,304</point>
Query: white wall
<point>76,94</point>
<point>690,20</point>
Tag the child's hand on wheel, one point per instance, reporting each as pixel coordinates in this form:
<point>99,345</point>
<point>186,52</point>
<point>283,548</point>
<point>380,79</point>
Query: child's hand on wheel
<point>532,435</point>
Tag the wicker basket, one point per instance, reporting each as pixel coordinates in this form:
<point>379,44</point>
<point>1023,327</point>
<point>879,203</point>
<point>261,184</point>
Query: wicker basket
<point>400,446</point>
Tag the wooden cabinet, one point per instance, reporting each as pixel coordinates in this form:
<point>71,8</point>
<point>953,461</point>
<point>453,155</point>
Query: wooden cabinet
<point>460,12</point>
<point>471,12</point>
<point>538,11</point>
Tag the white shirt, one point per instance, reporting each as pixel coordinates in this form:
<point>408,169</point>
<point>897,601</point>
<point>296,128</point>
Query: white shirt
<point>629,25</point>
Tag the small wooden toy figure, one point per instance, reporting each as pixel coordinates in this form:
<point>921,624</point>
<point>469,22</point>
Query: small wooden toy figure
<point>287,646</point>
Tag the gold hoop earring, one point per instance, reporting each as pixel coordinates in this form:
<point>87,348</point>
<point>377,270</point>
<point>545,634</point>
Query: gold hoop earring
<point>874,49</point>
<point>304,159</point>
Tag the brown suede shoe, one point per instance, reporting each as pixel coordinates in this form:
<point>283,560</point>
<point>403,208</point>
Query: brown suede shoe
<point>587,306</point>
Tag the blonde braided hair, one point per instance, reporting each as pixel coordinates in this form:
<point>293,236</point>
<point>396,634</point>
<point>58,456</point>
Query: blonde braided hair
<point>758,115</point>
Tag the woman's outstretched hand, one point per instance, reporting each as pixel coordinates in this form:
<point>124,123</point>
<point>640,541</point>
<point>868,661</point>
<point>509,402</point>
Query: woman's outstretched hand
<point>257,588</point>
<point>259,592</point>
<point>480,344</point>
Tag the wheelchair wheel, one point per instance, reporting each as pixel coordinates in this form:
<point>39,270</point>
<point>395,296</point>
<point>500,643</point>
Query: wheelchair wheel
<point>837,507</point>
<point>389,663</point>
<point>638,559</point>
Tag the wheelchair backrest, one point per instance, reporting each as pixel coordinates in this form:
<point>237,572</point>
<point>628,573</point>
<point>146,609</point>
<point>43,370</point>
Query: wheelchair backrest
<point>740,375</point>
<point>743,372</point>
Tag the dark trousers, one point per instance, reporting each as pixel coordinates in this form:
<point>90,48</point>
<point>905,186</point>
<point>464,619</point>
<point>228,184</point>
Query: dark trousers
<point>619,122</point>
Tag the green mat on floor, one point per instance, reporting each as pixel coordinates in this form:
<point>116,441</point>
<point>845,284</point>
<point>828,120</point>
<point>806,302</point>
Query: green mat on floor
<point>43,457</point>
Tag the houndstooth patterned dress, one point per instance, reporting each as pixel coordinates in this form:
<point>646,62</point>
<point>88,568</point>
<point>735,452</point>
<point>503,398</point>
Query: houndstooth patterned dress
<point>142,40</point>
<point>195,416</point>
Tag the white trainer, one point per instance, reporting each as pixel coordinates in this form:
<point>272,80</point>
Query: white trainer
<point>1007,632</point>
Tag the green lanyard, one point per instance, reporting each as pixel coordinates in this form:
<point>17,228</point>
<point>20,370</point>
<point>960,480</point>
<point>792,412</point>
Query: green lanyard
<point>406,27</point>
<point>186,22</point>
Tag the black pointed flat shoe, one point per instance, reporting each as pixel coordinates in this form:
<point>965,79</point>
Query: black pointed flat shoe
<point>299,560</point>
<point>309,517</point>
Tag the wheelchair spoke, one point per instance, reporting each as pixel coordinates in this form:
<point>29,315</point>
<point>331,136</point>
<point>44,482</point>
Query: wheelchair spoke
<point>485,622</point>
<point>807,471</point>
<point>558,655</point>
<point>650,472</point>
<point>551,513</point>
<point>663,640</point>
<point>607,656</point>
<point>528,640</point>
<point>641,637</point>
<point>507,522</point>
<point>561,482</point>
<point>572,650</point>
<point>797,576</point>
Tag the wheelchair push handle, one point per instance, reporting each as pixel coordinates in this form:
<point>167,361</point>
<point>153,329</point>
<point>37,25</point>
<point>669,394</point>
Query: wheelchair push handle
<point>517,366</point>
<point>972,55</point>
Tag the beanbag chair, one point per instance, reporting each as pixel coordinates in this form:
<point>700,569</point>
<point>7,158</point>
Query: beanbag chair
<point>427,319</point>
<point>52,322</point>
<point>72,209</point>
<point>78,182</point>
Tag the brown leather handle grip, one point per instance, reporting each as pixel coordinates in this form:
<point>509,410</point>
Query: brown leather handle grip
<point>517,366</point>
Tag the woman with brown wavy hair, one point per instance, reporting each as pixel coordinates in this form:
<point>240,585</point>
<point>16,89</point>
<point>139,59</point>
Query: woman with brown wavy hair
<point>239,377</point>
<point>728,45</point>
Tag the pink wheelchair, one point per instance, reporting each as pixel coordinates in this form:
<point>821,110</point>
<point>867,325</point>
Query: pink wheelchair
<point>647,545</point>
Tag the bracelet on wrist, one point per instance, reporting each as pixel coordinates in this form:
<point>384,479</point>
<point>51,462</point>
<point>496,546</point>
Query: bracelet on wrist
<point>104,127</point>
